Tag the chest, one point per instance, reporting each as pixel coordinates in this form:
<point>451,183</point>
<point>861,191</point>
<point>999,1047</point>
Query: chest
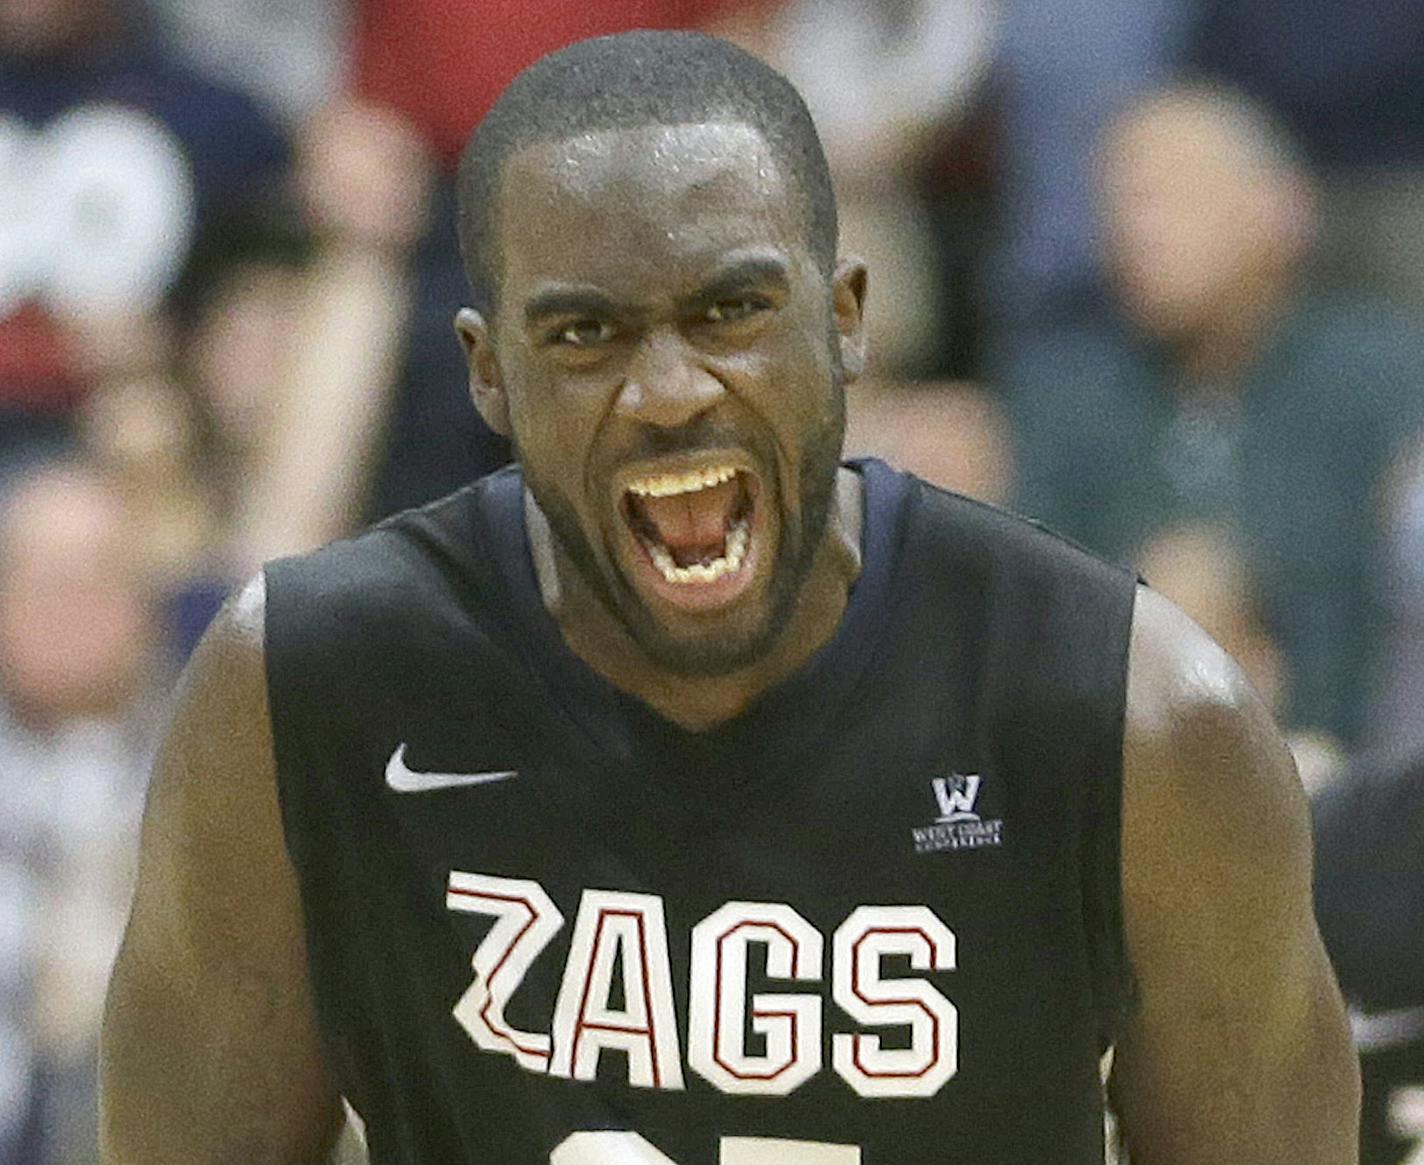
<point>881,916</point>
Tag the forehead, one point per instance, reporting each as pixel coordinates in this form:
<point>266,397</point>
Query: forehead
<point>638,209</point>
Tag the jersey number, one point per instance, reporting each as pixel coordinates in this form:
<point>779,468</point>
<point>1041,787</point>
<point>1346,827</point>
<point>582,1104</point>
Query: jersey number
<point>618,1148</point>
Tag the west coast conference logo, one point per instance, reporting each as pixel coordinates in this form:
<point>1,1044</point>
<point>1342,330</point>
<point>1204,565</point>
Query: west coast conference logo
<point>958,825</point>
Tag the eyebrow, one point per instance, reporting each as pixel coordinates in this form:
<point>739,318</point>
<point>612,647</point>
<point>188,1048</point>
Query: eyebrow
<point>570,301</point>
<point>759,271</point>
<point>567,301</point>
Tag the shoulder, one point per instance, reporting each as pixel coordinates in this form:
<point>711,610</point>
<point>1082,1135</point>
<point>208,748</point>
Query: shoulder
<point>951,518</point>
<point>218,744</point>
<point>398,566</point>
<point>1043,583</point>
<point>389,607</point>
<point>1205,767</point>
<point>1191,709</point>
<point>213,768</point>
<point>1236,1048</point>
<point>226,675</point>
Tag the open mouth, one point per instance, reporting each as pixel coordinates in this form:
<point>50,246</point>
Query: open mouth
<point>696,529</point>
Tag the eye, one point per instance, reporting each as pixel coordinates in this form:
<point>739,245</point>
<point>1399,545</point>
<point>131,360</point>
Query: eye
<point>736,308</point>
<point>582,333</point>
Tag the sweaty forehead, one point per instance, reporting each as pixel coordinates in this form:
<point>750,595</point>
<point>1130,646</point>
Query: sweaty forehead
<point>641,199</point>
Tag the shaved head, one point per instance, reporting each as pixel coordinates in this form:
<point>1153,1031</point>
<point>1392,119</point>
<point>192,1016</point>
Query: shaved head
<point>629,81</point>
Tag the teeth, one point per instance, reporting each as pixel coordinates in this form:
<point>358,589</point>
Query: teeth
<point>667,484</point>
<point>735,553</point>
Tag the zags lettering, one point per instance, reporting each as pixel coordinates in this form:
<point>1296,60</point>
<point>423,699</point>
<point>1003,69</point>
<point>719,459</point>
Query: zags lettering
<point>790,1025</point>
<point>621,931</point>
<point>621,937</point>
<point>525,920</point>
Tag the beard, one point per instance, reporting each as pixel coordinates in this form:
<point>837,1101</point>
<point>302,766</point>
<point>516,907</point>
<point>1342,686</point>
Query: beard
<point>729,645</point>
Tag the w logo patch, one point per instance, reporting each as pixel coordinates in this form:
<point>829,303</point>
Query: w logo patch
<point>956,795</point>
<point>959,825</point>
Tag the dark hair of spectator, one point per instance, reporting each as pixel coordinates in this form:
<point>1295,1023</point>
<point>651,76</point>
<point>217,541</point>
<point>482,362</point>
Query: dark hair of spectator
<point>630,80</point>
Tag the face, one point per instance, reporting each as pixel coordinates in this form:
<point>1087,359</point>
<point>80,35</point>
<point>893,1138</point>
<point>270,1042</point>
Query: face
<point>74,631</point>
<point>670,359</point>
<point>1187,216</point>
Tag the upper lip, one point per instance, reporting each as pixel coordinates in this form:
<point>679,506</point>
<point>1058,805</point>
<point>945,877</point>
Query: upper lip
<point>680,463</point>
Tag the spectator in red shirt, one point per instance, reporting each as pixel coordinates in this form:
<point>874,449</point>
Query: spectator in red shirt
<point>442,63</point>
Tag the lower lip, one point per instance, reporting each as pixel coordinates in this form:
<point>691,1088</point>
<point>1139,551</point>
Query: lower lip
<point>702,597</point>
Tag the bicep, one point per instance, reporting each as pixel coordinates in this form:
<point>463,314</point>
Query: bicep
<point>1237,1049</point>
<point>210,1052</point>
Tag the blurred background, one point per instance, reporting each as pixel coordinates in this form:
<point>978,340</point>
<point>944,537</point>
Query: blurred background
<point>1151,271</point>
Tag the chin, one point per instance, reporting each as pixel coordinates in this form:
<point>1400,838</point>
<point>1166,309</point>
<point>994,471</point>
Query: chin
<point>729,647</point>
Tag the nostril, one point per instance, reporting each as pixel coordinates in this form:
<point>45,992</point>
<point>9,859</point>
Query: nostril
<point>672,398</point>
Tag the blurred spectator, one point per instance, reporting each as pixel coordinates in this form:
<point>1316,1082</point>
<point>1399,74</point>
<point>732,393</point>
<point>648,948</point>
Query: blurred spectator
<point>1230,391</point>
<point>1369,895</point>
<point>1063,70</point>
<point>1398,723</point>
<point>141,432</point>
<point>953,435</point>
<point>78,664</point>
<point>235,350</point>
<point>442,63</point>
<point>365,176</point>
<point>113,159</point>
<point>884,83</point>
<point>1348,80</point>
<point>285,54</point>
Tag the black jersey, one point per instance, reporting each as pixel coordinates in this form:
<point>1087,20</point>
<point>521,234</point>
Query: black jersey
<point>1369,900</point>
<point>874,919</point>
<point>1369,880</point>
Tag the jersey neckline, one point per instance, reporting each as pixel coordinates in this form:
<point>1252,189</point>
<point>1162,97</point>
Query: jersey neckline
<point>782,720</point>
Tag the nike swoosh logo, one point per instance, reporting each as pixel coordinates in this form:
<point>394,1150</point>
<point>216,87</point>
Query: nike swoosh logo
<point>400,778</point>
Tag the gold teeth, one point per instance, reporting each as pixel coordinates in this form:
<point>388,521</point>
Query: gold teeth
<point>665,485</point>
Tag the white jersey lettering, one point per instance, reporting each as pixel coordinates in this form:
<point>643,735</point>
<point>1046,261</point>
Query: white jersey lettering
<point>789,1024</point>
<point>620,932</point>
<point>525,920</point>
<point>860,943</point>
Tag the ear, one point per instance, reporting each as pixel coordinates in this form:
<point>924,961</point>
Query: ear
<point>486,380</point>
<point>848,308</point>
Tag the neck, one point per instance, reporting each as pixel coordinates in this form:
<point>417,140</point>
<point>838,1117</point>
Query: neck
<point>1221,351</point>
<point>698,703</point>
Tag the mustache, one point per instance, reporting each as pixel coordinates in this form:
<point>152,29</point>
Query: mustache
<point>702,433</point>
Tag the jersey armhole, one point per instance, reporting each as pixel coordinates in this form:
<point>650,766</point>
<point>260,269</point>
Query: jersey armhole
<point>1114,984</point>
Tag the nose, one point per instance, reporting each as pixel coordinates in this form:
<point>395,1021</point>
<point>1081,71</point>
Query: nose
<point>665,384</point>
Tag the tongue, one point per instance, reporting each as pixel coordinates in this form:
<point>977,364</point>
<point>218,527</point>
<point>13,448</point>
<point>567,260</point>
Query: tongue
<point>693,526</point>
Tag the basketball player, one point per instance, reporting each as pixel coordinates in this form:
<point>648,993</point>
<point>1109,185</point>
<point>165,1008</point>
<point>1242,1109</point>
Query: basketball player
<point>686,797</point>
<point>1369,899</point>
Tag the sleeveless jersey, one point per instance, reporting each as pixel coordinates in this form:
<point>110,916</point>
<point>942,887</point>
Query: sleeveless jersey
<point>874,919</point>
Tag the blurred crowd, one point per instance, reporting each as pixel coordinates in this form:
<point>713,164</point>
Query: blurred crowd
<point>1151,271</point>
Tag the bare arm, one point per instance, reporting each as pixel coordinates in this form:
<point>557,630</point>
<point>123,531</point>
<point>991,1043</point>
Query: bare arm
<point>209,1051</point>
<point>1238,1050</point>
<point>365,177</point>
